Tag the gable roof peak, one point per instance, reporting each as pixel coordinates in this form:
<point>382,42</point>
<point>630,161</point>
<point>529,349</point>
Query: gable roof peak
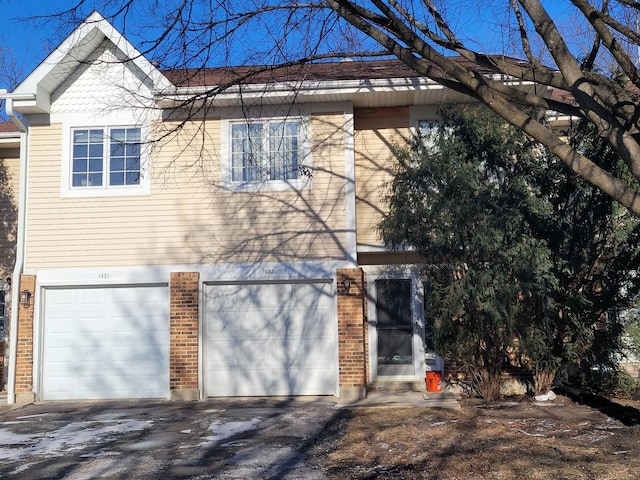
<point>72,52</point>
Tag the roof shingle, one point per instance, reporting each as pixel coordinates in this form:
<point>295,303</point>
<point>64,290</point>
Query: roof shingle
<point>8,127</point>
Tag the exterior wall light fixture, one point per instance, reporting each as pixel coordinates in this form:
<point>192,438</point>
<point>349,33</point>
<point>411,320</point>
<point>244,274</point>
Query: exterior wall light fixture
<point>25,298</point>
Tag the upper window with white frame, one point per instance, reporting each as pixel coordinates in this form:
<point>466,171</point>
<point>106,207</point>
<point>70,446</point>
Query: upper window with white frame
<point>270,152</point>
<point>105,158</point>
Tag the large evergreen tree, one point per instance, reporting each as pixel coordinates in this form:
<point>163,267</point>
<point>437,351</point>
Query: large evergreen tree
<point>522,255</point>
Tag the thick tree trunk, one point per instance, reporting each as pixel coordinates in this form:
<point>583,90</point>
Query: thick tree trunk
<point>543,380</point>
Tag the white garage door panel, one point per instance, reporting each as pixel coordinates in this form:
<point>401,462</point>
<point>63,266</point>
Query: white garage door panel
<point>270,339</point>
<point>106,343</point>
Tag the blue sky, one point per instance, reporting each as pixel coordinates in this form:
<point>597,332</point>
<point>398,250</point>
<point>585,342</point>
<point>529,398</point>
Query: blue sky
<point>28,43</point>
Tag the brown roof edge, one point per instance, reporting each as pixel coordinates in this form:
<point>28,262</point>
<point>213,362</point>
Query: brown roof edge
<point>320,71</point>
<point>9,127</point>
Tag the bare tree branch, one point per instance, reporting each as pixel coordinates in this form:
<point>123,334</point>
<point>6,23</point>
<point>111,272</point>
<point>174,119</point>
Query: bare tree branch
<point>194,35</point>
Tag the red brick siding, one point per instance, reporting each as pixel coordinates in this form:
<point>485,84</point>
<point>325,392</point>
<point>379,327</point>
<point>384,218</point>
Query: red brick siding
<point>24,352</point>
<point>352,353</point>
<point>183,330</point>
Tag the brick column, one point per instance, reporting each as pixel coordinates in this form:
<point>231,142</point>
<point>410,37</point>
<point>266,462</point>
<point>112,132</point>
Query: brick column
<point>352,351</point>
<point>24,350</point>
<point>183,339</point>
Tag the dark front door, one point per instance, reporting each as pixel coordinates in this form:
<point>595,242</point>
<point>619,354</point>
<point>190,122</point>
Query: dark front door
<point>394,327</point>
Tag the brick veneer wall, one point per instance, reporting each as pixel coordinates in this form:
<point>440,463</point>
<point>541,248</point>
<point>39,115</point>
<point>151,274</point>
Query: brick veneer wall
<point>24,352</point>
<point>352,353</point>
<point>183,331</point>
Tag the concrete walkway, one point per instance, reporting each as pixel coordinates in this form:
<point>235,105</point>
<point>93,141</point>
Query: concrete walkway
<point>405,399</point>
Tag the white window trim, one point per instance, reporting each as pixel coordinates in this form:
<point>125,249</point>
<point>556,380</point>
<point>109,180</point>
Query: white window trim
<point>304,155</point>
<point>69,191</point>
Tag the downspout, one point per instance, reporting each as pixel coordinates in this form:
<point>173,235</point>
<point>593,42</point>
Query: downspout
<point>20,246</point>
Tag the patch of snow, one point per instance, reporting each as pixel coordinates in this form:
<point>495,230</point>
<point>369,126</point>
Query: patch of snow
<point>223,430</point>
<point>546,397</point>
<point>56,443</point>
<point>7,437</point>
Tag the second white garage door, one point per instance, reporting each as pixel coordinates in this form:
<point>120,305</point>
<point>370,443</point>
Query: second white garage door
<point>104,343</point>
<point>270,339</point>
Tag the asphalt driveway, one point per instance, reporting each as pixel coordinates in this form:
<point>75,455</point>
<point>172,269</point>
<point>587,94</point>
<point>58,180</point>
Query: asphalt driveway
<point>234,439</point>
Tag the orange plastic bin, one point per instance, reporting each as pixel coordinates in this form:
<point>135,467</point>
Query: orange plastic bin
<point>433,380</point>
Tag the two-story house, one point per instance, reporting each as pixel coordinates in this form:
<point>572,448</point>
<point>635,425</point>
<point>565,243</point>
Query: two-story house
<point>177,243</point>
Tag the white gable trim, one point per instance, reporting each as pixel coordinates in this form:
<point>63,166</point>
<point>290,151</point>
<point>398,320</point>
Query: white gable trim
<point>75,49</point>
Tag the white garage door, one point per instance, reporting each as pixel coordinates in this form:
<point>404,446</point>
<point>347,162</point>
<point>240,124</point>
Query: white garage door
<point>270,339</point>
<point>106,343</point>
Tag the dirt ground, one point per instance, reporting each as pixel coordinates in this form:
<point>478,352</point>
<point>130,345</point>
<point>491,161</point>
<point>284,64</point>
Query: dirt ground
<point>521,439</point>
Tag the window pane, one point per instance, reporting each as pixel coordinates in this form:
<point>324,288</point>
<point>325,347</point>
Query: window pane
<point>79,180</point>
<point>124,164</point>
<point>283,150</point>
<point>95,150</point>
<point>79,165</point>
<point>134,135</point>
<point>237,151</point>
<point>133,150</point>
<point>87,158</point>
<point>395,347</point>
<point>133,164</point>
<point>132,178</point>
<point>95,165</point>
<point>80,151</point>
<point>118,134</point>
<point>117,150</point>
<point>117,164</point>
<point>96,136</point>
<point>95,180</point>
<point>116,178</point>
<point>393,303</point>
<point>80,136</point>
<point>246,152</point>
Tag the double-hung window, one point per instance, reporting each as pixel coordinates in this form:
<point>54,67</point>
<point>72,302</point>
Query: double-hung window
<point>266,151</point>
<point>106,157</point>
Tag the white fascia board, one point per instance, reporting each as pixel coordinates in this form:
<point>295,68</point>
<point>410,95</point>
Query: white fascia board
<point>9,141</point>
<point>311,90</point>
<point>6,137</point>
<point>76,48</point>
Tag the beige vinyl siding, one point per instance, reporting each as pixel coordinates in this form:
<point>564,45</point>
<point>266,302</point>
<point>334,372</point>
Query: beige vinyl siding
<point>187,218</point>
<point>9,175</point>
<point>378,133</point>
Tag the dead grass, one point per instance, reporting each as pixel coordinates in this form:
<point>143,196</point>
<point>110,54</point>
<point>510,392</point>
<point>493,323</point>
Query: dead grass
<point>511,440</point>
